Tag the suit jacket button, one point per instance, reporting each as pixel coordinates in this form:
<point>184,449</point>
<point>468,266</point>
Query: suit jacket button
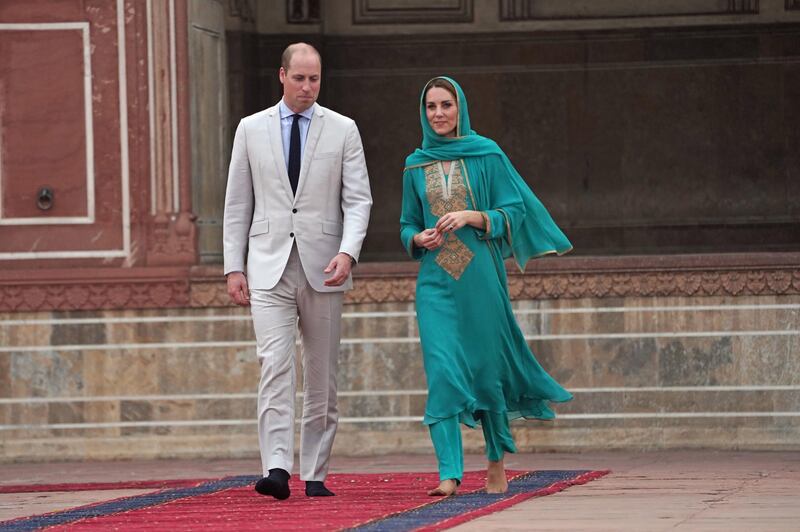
<point>294,210</point>
<point>291,235</point>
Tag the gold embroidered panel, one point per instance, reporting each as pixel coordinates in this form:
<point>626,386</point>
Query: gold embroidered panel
<point>448,196</point>
<point>454,256</point>
<point>441,200</point>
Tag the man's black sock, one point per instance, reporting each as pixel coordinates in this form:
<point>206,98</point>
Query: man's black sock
<point>316,488</point>
<point>276,484</point>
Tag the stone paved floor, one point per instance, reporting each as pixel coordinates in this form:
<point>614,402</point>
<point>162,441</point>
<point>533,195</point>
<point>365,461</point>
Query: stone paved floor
<point>676,490</point>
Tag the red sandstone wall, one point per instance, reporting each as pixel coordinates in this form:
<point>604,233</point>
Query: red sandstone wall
<point>93,106</point>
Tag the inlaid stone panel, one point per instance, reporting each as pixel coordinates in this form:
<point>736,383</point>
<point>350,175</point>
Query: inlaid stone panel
<point>670,361</point>
<point>662,319</point>
<point>66,412</point>
<point>390,326</point>
<point>77,334</point>
<point>24,335</point>
<point>768,359</point>
<point>46,373</point>
<point>199,371</point>
<point>192,329</point>
<point>375,406</point>
<point>393,366</point>
<point>5,375</point>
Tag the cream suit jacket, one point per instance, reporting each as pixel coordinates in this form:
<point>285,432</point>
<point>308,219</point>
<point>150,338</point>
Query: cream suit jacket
<point>329,214</point>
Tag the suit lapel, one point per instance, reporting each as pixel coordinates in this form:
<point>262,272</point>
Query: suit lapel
<point>314,132</point>
<point>276,143</point>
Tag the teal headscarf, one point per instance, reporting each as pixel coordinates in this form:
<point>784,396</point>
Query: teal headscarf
<point>538,234</point>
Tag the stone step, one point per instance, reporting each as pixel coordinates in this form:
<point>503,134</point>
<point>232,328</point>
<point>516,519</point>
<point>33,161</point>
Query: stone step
<point>221,368</point>
<point>54,416</point>
<point>644,373</point>
<point>536,320</point>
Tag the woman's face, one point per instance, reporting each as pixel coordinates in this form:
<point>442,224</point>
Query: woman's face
<point>442,111</point>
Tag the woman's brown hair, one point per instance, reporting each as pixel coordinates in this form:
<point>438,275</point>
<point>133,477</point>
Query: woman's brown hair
<point>442,84</point>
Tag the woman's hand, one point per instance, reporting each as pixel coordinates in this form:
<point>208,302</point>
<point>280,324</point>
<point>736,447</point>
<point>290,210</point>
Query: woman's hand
<point>453,221</point>
<point>429,239</point>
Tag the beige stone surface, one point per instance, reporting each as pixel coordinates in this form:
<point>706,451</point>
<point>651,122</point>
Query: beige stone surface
<point>14,505</point>
<point>681,490</point>
<point>667,491</point>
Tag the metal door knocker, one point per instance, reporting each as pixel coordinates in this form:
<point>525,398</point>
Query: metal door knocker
<point>44,199</point>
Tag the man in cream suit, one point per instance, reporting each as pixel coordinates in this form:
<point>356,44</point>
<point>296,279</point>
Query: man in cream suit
<point>296,212</point>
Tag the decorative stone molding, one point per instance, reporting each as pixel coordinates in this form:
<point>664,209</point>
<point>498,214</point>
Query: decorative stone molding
<point>398,12</point>
<point>205,293</point>
<point>792,5</point>
<point>516,10</point>
<point>242,10</point>
<point>573,278</point>
<point>382,290</point>
<point>171,239</point>
<point>565,277</point>
<point>87,296</point>
<point>303,11</point>
<point>632,284</point>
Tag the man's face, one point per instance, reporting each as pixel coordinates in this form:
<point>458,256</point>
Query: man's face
<point>301,81</point>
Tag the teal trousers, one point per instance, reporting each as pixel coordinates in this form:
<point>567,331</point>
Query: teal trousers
<point>446,437</point>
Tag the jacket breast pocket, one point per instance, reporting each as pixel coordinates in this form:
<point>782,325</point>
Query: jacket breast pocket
<point>259,228</point>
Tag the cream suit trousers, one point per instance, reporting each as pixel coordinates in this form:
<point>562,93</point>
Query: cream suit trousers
<point>276,314</point>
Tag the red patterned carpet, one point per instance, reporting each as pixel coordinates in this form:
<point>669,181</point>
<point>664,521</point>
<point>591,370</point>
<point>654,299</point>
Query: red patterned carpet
<point>376,502</point>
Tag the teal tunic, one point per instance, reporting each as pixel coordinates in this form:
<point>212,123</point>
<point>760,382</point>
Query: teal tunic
<point>476,357</point>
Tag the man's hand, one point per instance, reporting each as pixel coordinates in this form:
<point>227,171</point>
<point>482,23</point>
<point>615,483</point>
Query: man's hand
<point>340,265</point>
<point>237,288</point>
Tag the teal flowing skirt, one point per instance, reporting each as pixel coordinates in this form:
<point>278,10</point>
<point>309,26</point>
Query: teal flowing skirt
<point>475,355</point>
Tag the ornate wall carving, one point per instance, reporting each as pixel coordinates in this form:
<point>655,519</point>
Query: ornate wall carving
<point>303,11</point>
<point>628,136</point>
<point>242,10</point>
<point>117,152</point>
<point>515,10</point>
<point>571,278</point>
<point>418,12</point>
<point>65,295</point>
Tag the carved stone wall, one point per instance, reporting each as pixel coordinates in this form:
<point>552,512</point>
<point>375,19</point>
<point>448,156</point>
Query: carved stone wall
<point>211,139</point>
<point>647,373</point>
<point>414,12</point>
<point>775,274</point>
<point>640,141</point>
<point>94,107</point>
<point>587,9</point>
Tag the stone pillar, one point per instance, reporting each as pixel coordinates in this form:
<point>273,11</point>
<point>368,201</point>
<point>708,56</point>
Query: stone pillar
<point>210,132</point>
<point>172,233</point>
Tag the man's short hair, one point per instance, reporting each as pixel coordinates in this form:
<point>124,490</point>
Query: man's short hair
<point>286,58</point>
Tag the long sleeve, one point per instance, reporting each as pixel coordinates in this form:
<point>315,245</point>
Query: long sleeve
<point>412,219</point>
<point>505,210</point>
<point>356,195</point>
<point>239,203</point>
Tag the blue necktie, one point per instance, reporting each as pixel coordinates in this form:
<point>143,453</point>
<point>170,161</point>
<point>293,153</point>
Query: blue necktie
<point>294,153</point>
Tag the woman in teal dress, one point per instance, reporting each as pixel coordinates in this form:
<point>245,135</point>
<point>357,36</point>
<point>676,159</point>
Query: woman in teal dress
<point>465,209</point>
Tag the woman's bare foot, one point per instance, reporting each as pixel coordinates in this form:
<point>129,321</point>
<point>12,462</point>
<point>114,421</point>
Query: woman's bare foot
<point>445,488</point>
<point>496,481</point>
